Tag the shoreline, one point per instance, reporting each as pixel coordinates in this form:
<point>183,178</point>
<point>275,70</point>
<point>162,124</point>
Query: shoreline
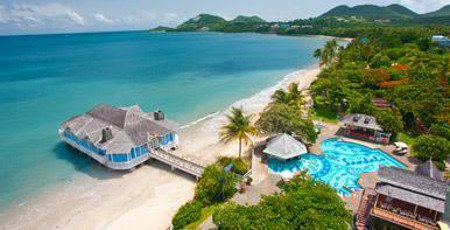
<point>145,198</point>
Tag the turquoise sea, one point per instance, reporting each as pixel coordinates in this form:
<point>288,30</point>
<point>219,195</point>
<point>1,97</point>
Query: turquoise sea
<point>46,79</point>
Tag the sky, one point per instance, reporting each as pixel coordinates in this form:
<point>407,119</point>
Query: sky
<point>63,16</point>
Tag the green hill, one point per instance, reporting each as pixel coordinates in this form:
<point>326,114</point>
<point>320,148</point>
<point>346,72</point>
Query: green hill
<point>443,12</point>
<point>248,19</point>
<point>204,22</point>
<point>371,12</point>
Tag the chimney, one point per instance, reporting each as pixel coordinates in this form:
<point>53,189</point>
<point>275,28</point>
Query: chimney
<point>159,115</point>
<point>106,135</point>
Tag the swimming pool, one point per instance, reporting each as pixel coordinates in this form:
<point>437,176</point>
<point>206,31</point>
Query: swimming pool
<point>340,166</point>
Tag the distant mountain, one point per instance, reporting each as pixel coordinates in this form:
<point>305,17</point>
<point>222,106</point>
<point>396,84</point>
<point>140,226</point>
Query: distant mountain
<point>247,19</point>
<point>162,29</point>
<point>443,12</point>
<point>207,22</point>
<point>204,22</point>
<point>371,12</point>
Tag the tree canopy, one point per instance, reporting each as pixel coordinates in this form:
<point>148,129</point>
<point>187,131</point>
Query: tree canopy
<point>302,204</point>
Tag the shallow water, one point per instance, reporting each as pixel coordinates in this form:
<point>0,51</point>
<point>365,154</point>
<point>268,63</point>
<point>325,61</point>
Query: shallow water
<point>47,79</point>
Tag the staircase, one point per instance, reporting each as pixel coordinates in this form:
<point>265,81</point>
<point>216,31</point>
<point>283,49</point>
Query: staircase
<point>365,205</point>
<point>176,161</point>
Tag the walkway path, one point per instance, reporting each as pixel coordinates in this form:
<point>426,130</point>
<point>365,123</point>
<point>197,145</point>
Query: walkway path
<point>176,161</point>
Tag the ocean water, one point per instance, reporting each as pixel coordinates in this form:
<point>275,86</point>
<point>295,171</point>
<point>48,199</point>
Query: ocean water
<point>46,79</point>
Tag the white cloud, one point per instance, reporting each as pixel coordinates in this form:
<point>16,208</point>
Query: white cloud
<point>424,6</point>
<point>103,18</point>
<point>32,15</point>
<point>2,12</point>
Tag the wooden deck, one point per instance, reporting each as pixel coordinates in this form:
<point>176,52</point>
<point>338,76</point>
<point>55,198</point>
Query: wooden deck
<point>401,220</point>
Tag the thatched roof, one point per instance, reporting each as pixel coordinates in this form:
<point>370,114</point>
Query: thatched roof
<point>130,127</point>
<point>410,187</point>
<point>429,169</point>
<point>285,147</point>
<point>361,120</point>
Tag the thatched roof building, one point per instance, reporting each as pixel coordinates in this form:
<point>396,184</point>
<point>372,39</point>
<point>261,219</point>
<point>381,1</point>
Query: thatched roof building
<point>285,147</point>
<point>429,169</point>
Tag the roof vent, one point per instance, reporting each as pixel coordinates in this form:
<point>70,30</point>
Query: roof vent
<point>159,115</point>
<point>106,135</point>
<point>356,117</point>
<point>367,120</point>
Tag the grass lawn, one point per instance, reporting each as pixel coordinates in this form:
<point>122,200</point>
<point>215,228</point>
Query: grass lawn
<point>206,212</point>
<point>324,114</point>
<point>403,137</point>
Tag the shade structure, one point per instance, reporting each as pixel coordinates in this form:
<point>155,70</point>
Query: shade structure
<point>285,147</point>
<point>401,145</point>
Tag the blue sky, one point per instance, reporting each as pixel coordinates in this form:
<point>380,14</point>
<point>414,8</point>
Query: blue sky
<point>53,16</point>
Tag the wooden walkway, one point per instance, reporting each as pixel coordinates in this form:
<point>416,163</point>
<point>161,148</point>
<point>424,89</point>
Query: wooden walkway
<point>177,162</point>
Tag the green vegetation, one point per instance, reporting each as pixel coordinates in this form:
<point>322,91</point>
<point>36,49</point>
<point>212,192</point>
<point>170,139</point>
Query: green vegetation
<point>302,204</point>
<point>342,21</point>
<point>187,214</point>
<point>283,115</point>
<point>324,114</point>
<point>239,166</point>
<point>204,22</point>
<point>396,65</point>
<point>214,187</point>
<point>429,147</point>
<point>372,12</point>
<point>239,128</point>
<point>327,55</point>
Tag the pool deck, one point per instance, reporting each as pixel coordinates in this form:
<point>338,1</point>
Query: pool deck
<point>260,171</point>
<point>366,180</point>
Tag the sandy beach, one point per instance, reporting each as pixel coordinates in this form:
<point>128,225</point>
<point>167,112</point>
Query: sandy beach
<point>147,197</point>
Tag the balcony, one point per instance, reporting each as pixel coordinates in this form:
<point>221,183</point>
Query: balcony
<point>404,221</point>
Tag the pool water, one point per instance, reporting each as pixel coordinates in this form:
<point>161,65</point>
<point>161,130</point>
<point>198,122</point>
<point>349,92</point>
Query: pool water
<point>340,166</point>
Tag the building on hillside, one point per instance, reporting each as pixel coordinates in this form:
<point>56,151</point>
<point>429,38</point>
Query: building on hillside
<point>441,40</point>
<point>364,127</point>
<point>409,199</point>
<point>119,138</point>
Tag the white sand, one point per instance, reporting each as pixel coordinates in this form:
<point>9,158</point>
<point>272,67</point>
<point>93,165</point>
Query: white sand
<point>146,198</point>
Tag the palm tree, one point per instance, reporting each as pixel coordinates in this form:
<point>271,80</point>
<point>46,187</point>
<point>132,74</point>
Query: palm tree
<point>328,53</point>
<point>281,96</point>
<point>290,97</point>
<point>239,128</point>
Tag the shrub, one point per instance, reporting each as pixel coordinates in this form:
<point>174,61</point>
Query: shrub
<point>305,204</point>
<point>442,130</point>
<point>239,165</point>
<point>429,146</point>
<point>280,118</point>
<point>215,185</point>
<point>188,213</point>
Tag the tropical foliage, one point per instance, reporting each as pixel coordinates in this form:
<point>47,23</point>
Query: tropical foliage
<point>282,118</point>
<point>302,204</point>
<point>283,115</point>
<point>215,186</point>
<point>187,214</point>
<point>327,55</point>
<point>239,128</point>
<point>238,165</point>
<point>429,147</point>
<point>394,65</point>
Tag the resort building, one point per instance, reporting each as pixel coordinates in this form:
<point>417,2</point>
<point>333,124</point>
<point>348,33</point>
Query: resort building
<point>441,40</point>
<point>119,138</point>
<point>365,127</point>
<point>284,147</point>
<point>412,200</point>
